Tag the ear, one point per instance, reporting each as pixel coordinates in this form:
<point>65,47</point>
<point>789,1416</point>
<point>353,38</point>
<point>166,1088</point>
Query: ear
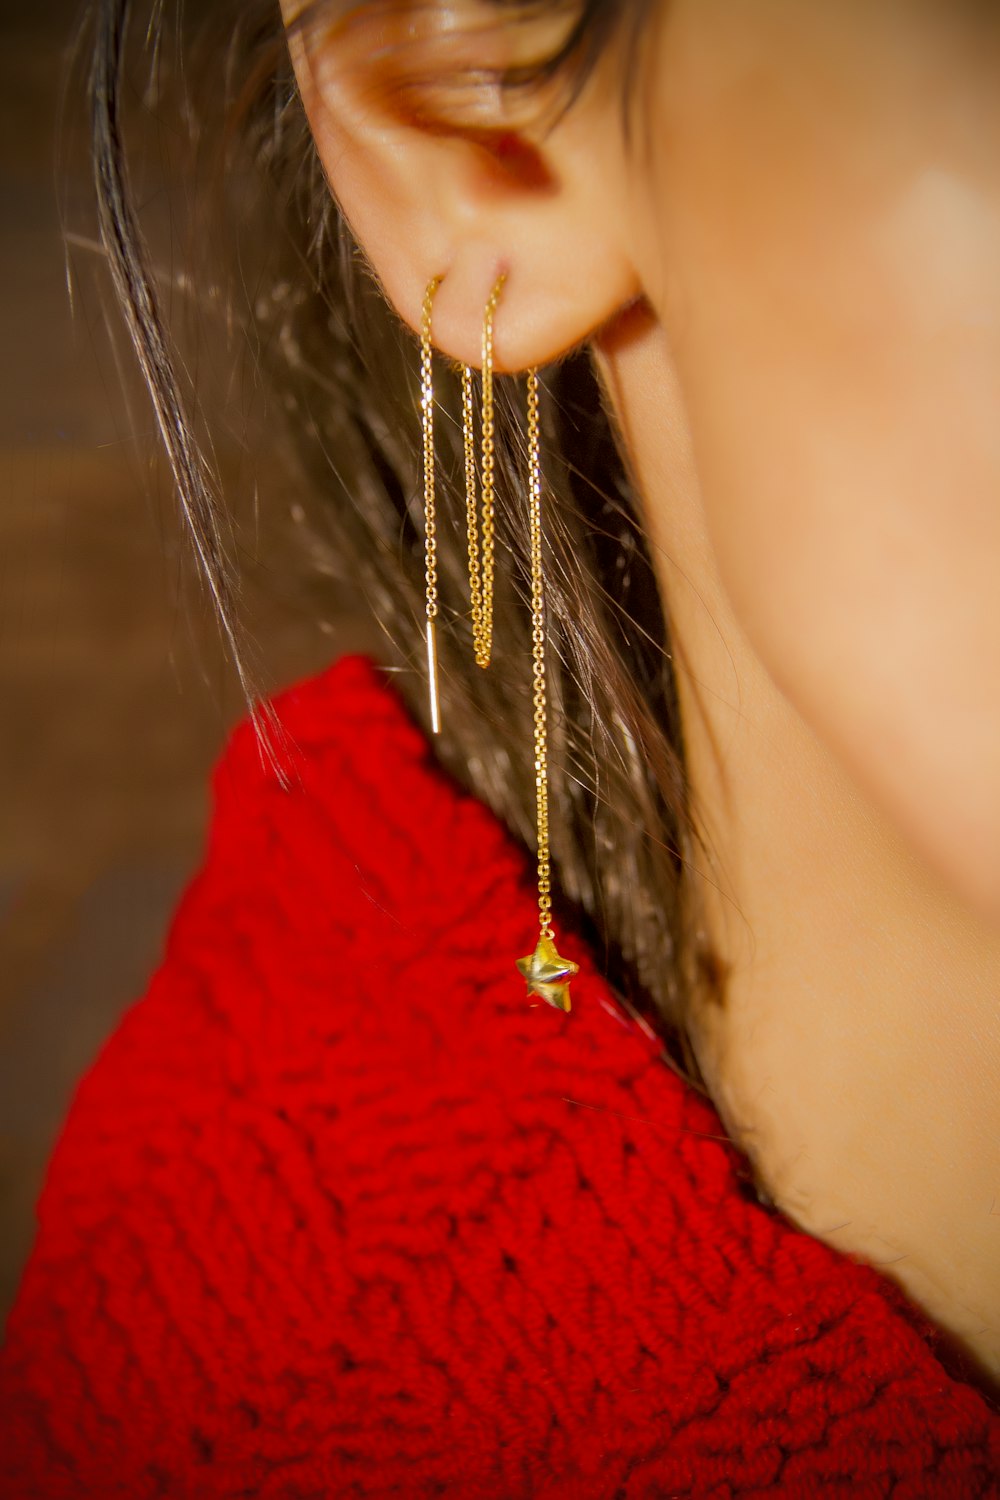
<point>441,170</point>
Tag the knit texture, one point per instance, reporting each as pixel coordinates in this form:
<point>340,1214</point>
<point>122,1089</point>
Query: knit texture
<point>339,1213</point>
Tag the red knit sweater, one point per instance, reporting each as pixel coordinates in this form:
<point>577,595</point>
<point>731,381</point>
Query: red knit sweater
<point>338,1212</point>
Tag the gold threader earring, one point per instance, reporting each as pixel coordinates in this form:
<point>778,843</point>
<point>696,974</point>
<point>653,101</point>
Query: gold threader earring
<point>481,553</point>
<point>547,972</point>
<point>481,558</point>
<point>430,518</point>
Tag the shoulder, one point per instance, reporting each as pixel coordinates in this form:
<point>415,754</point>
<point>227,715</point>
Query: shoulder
<point>318,1100</point>
<point>337,1211</point>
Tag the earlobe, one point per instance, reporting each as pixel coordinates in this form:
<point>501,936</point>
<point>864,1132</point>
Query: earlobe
<point>454,182</point>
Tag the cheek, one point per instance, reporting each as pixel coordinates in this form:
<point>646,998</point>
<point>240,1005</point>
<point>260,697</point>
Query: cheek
<point>828,227</point>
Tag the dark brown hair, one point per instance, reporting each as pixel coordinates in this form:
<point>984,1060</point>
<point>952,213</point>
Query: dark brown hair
<point>343,376</point>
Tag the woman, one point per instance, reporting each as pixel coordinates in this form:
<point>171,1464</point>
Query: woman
<point>339,1211</point>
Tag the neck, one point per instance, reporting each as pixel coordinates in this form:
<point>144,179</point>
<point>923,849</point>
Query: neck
<point>856,1055</point>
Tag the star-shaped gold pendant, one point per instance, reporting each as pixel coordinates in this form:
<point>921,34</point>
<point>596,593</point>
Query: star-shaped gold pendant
<point>548,974</point>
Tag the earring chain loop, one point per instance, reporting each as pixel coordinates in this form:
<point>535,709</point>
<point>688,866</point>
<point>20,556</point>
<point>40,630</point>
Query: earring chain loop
<point>430,513</point>
<point>471,515</point>
<point>482,616</point>
<point>538,660</point>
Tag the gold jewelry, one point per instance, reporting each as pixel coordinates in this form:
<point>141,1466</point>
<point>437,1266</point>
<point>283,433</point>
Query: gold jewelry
<point>548,974</point>
<point>481,562</point>
<point>471,516</point>
<point>430,518</point>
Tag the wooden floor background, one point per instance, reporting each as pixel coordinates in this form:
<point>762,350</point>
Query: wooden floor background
<point>114,695</point>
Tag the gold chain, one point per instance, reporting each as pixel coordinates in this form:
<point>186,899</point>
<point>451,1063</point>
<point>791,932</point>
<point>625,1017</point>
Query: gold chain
<point>538,658</point>
<point>471,517</point>
<point>430,516</point>
<point>547,972</point>
<point>427,424</point>
<point>482,620</point>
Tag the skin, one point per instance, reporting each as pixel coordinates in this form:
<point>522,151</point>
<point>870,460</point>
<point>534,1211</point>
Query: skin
<point>791,283</point>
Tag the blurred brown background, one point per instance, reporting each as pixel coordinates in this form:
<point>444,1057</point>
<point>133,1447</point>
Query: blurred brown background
<point>115,694</point>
